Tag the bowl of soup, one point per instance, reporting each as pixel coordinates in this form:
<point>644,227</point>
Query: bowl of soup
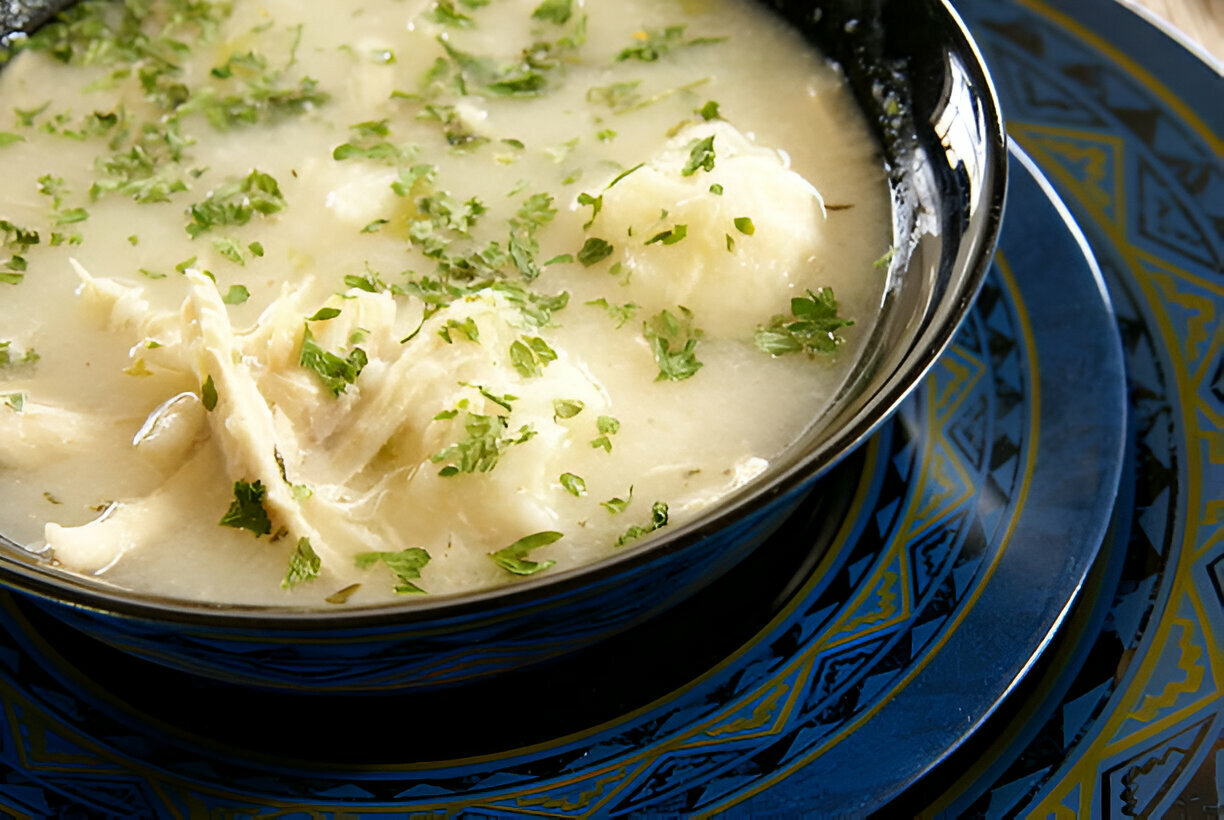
<point>398,344</point>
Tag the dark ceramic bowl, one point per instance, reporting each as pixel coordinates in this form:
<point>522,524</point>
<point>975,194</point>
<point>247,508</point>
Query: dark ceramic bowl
<point>916,73</point>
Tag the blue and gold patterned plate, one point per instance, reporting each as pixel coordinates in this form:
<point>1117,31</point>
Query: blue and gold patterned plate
<point>852,653</point>
<point>1125,717</point>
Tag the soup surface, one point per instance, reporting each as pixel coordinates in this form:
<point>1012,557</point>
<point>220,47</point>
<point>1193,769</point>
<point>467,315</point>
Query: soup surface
<point>342,302</point>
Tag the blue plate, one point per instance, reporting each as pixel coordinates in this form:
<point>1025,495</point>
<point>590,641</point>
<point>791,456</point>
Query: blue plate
<point>890,617</point>
<point>1127,719</point>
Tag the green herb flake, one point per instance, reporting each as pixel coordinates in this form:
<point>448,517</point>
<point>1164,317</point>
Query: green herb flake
<point>566,408</point>
<point>323,314</point>
<point>744,225</point>
<point>811,327</point>
<point>673,341</point>
<point>7,138</point>
<point>573,484</point>
<point>236,295</point>
<point>405,564</point>
<point>596,203</point>
<point>669,237</point>
<point>230,249</point>
<point>658,520</point>
<point>709,111</point>
<point>304,565</point>
<point>513,559</point>
<point>208,394</point>
<point>247,512</point>
<point>701,156</point>
<point>716,189</point>
<point>14,401</point>
<point>256,249</point>
<point>334,372</point>
<point>594,251</point>
<point>616,506</point>
<point>554,11</point>
<point>236,203</point>
<point>342,595</point>
<point>658,43</point>
<point>620,314</point>
<point>487,437</point>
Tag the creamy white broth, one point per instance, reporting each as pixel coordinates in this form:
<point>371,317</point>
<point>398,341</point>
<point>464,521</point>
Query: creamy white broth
<point>123,318</point>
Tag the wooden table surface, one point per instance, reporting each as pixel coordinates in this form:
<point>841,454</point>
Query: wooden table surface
<point>1200,20</point>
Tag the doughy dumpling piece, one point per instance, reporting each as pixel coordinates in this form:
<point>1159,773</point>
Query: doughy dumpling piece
<point>731,286</point>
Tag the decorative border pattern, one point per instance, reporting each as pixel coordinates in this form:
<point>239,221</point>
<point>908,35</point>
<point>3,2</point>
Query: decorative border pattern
<point>1141,171</point>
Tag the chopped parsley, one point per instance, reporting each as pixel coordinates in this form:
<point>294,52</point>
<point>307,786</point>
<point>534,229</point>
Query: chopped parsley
<point>594,251</point>
<point>406,564</point>
<point>208,394</point>
<point>530,355</point>
<point>334,372</point>
<point>18,240</point>
<point>607,427</point>
<point>701,156</point>
<point>658,43</point>
<point>744,225</point>
<point>247,512</point>
<point>566,408</point>
<point>236,203</point>
<point>304,565</point>
<point>709,111</point>
<point>673,341</point>
<point>615,506</point>
<point>620,314</point>
<point>554,11</point>
<point>573,484</point>
<point>669,237</point>
<point>596,203</point>
<point>487,438</point>
<point>513,559</point>
<point>812,326</point>
<point>236,295</point>
<point>658,520</point>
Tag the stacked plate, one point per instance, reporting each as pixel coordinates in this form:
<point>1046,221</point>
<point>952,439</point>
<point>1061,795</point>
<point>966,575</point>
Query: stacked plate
<point>1010,602</point>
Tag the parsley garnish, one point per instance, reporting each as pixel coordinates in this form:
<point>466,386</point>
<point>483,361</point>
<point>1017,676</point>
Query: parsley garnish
<point>208,394</point>
<point>744,225</point>
<point>236,203</point>
<point>335,373</point>
<point>812,326</point>
<point>594,251</point>
<point>513,559</point>
<point>701,156</point>
<point>673,341</point>
<point>658,43</point>
<point>19,240</point>
<point>484,445</point>
<point>709,111</point>
<point>566,408</point>
<point>236,295</point>
<point>669,237</point>
<point>406,564</point>
<point>618,313</point>
<point>573,484</point>
<point>530,355</point>
<point>554,11</point>
<point>658,520</point>
<point>247,512</point>
<point>304,565</point>
<point>607,427</point>
<point>615,506</point>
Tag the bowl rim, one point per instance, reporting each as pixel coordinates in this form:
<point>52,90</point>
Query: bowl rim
<point>85,594</point>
